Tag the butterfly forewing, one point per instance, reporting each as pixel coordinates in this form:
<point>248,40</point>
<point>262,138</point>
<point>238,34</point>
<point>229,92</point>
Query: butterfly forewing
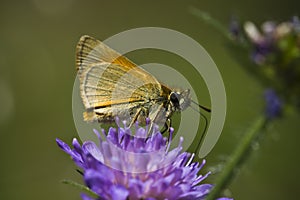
<point>112,85</point>
<point>90,51</point>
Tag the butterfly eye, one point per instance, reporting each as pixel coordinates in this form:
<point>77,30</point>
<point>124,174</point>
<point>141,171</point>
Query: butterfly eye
<point>174,98</point>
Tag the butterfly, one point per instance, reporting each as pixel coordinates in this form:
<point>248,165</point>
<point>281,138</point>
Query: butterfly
<point>113,86</point>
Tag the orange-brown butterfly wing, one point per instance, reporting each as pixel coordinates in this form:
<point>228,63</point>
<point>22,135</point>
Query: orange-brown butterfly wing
<point>110,84</point>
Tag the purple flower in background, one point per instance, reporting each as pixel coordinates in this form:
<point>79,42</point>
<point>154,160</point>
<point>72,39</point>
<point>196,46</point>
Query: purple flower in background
<point>275,47</point>
<point>263,43</point>
<point>234,28</point>
<point>267,39</point>
<point>296,23</point>
<point>273,104</point>
<point>127,166</point>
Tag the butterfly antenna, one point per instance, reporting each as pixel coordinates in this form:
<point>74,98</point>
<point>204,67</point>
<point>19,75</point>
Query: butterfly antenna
<point>202,135</point>
<point>202,107</point>
<point>80,172</point>
<point>205,127</point>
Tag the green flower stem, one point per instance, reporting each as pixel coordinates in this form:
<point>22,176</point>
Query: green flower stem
<point>236,159</point>
<point>211,21</point>
<point>221,28</point>
<point>81,187</point>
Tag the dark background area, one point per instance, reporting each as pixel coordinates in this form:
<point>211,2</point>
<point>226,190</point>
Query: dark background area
<point>37,72</point>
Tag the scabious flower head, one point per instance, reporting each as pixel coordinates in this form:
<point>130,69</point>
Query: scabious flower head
<point>128,165</point>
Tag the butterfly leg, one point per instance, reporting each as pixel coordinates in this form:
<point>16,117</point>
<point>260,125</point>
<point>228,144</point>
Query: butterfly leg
<point>167,126</point>
<point>135,117</point>
<point>155,116</point>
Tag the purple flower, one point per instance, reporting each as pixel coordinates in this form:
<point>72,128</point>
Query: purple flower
<point>234,28</point>
<point>268,40</point>
<point>296,24</point>
<point>275,47</point>
<point>127,166</point>
<point>263,44</point>
<point>273,104</point>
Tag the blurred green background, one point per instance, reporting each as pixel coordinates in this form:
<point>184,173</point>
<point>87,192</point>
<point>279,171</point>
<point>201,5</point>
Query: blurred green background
<point>37,72</point>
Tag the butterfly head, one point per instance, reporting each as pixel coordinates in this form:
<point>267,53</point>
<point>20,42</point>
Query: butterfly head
<point>180,100</point>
